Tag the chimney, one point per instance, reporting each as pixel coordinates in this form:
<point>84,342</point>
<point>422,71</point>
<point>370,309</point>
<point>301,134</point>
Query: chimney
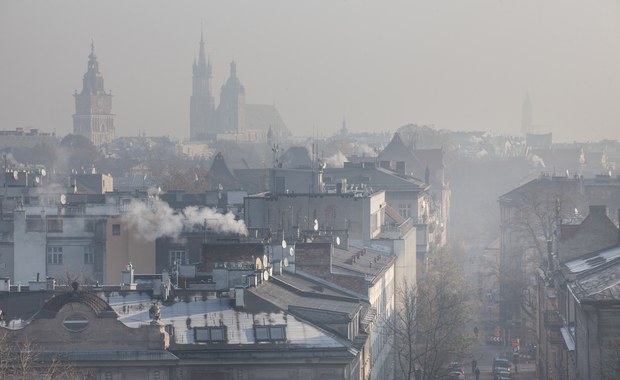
<point>386,165</point>
<point>401,167</point>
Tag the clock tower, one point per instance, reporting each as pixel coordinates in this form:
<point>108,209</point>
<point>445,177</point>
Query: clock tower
<point>93,116</point>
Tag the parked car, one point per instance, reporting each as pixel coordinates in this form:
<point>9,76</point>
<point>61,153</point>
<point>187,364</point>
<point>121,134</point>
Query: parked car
<point>456,375</point>
<point>500,364</point>
<point>502,374</point>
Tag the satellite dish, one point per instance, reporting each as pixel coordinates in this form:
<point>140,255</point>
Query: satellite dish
<point>63,199</point>
<point>37,180</point>
<point>337,240</point>
<point>316,225</point>
<point>220,187</point>
<point>43,173</point>
<point>283,243</point>
<point>265,275</point>
<point>285,262</point>
<point>265,261</point>
<point>15,175</point>
<point>291,251</point>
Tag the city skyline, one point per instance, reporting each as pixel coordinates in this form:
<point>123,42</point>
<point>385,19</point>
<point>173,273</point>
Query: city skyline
<point>453,66</point>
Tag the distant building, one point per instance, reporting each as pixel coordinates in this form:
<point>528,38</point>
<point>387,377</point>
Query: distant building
<point>93,116</point>
<point>232,119</point>
<point>21,138</point>
<point>202,103</point>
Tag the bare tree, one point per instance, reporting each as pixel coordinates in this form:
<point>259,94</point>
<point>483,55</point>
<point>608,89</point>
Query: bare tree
<point>430,321</point>
<point>534,222</point>
<point>22,360</point>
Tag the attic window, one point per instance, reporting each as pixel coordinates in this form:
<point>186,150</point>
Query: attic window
<point>275,333</point>
<point>75,323</point>
<point>210,334</point>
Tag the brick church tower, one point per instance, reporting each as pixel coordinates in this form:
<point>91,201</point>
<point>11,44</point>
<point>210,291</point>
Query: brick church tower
<point>202,104</point>
<point>93,106</point>
<point>231,111</point>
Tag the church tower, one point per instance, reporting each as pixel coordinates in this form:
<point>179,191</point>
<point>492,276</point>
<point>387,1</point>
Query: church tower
<point>201,108</point>
<point>93,116</point>
<point>231,111</point>
<point>526,116</point>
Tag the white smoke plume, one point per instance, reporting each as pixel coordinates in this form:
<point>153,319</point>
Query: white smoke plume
<point>156,219</point>
<point>363,149</point>
<point>537,160</point>
<point>337,160</point>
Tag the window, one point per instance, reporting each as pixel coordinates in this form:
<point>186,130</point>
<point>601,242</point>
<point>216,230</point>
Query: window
<point>54,225</point>
<point>89,256</point>
<point>271,333</point>
<point>404,210</point>
<point>89,225</point>
<point>35,225</point>
<point>212,334</point>
<point>75,323</point>
<point>54,255</point>
<point>178,257</point>
<point>116,230</point>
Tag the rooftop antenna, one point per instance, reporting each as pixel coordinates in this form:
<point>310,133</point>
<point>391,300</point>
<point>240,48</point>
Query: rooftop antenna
<point>275,149</point>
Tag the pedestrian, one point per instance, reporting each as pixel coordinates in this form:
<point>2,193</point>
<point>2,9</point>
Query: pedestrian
<point>474,365</point>
<point>477,373</point>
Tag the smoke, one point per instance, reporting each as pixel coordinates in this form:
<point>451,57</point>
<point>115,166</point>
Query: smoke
<point>11,161</point>
<point>537,160</point>
<point>363,149</point>
<point>156,219</point>
<point>337,160</point>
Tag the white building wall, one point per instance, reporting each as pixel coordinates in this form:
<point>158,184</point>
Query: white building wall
<point>29,251</point>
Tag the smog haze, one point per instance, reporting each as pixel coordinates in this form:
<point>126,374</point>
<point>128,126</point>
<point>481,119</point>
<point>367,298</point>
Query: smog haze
<point>458,65</point>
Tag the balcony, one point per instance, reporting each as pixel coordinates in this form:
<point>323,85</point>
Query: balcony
<point>555,336</point>
<point>553,319</point>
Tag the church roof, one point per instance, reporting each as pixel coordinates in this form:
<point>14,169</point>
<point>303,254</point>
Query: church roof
<point>100,307</point>
<point>296,157</point>
<point>265,117</point>
<point>397,147</point>
<point>221,175</point>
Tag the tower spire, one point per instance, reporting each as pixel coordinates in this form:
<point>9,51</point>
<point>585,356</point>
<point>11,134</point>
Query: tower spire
<point>201,55</point>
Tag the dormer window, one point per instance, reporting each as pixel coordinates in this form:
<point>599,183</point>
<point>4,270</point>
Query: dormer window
<point>210,334</point>
<point>271,333</point>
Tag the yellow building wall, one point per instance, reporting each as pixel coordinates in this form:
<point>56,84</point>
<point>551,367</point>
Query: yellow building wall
<point>126,247</point>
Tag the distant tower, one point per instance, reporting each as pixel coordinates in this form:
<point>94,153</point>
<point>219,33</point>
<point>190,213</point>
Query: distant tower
<point>93,106</point>
<point>526,116</point>
<point>201,109</point>
<point>231,111</point>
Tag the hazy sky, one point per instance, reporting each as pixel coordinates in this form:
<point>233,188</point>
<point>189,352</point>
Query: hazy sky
<point>458,64</point>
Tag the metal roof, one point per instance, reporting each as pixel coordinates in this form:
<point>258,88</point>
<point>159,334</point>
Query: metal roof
<point>593,260</point>
<point>600,284</point>
<point>217,312</point>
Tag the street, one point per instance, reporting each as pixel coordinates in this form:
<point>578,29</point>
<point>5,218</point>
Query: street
<point>485,321</point>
